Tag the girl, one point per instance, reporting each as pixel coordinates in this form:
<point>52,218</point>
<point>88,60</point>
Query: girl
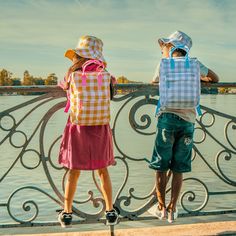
<point>85,147</point>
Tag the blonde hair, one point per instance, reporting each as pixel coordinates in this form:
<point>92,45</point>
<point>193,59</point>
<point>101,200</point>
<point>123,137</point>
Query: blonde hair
<point>76,66</point>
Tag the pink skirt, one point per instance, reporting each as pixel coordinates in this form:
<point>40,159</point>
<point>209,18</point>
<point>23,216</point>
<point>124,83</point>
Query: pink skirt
<point>86,147</point>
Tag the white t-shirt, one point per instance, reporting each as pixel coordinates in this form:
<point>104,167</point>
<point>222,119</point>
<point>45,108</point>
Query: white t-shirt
<point>186,114</point>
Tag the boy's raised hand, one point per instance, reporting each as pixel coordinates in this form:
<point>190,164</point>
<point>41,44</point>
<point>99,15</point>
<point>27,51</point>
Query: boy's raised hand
<point>206,79</point>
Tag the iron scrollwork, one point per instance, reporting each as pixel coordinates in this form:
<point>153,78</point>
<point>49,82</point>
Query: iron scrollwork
<point>128,199</point>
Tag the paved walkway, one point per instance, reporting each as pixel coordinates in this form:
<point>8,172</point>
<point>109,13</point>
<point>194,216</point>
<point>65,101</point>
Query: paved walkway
<point>186,226</point>
<point>220,228</point>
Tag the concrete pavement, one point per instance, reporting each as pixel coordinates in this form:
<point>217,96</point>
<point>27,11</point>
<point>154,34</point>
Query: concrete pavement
<point>186,226</point>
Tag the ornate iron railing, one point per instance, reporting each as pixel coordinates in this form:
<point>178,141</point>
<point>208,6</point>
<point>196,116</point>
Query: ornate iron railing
<point>31,129</point>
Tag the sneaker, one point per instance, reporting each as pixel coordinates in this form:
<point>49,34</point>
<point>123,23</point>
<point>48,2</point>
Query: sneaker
<point>172,216</point>
<point>112,217</point>
<point>160,214</point>
<point>65,219</point>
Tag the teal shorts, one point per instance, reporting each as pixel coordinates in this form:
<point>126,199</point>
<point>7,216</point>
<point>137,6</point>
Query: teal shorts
<point>173,144</point>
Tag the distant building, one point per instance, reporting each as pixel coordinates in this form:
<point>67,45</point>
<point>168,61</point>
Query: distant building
<point>124,80</point>
<point>232,91</point>
<point>227,90</point>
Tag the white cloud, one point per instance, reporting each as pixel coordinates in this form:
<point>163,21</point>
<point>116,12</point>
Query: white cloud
<point>43,30</point>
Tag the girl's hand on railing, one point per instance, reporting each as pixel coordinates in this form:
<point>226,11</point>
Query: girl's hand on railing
<point>63,85</point>
<point>113,80</point>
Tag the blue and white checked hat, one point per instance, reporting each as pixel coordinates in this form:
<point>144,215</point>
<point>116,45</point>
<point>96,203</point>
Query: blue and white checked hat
<point>87,47</point>
<point>178,38</point>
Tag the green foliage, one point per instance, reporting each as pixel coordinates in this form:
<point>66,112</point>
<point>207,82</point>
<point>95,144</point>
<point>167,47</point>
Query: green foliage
<point>51,79</point>
<point>16,82</point>
<point>27,80</point>
<point>5,78</point>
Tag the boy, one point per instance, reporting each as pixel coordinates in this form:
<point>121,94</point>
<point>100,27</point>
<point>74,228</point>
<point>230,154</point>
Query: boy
<point>174,139</point>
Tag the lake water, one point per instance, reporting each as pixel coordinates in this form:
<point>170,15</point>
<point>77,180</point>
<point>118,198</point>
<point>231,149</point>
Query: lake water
<point>129,142</point>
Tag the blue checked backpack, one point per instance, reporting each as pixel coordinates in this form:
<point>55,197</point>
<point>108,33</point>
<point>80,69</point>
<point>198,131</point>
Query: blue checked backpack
<point>180,86</point>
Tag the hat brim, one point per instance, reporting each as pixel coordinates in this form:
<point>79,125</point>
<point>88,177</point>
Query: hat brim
<point>70,53</point>
<point>175,43</point>
<point>90,54</point>
<point>162,41</point>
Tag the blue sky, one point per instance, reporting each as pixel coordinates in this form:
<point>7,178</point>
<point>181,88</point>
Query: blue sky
<point>36,33</point>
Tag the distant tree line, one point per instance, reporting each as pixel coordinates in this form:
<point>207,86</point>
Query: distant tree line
<point>7,79</point>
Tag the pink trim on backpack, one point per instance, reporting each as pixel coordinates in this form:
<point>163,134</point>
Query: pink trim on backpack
<point>90,65</point>
<point>100,68</point>
<point>67,108</point>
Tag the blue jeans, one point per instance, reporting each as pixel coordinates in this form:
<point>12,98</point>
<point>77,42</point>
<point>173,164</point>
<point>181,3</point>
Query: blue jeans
<point>173,144</point>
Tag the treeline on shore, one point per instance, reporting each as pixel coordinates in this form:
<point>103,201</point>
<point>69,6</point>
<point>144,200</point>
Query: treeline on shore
<point>7,79</point>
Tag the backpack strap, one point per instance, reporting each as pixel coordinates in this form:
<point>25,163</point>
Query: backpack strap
<point>158,106</point>
<point>179,47</point>
<point>198,110</point>
<point>100,69</point>
<point>67,107</point>
<point>172,62</point>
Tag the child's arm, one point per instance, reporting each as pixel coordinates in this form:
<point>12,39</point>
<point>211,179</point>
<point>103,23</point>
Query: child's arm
<point>207,75</point>
<point>113,80</point>
<point>155,78</point>
<point>112,90</point>
<point>212,76</point>
<point>65,83</point>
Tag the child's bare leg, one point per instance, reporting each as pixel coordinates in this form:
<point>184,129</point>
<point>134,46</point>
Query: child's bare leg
<point>169,173</point>
<point>161,182</point>
<point>106,187</point>
<point>70,189</point>
<point>176,185</point>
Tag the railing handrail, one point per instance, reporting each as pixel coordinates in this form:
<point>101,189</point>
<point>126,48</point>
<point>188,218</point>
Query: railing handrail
<point>56,88</point>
